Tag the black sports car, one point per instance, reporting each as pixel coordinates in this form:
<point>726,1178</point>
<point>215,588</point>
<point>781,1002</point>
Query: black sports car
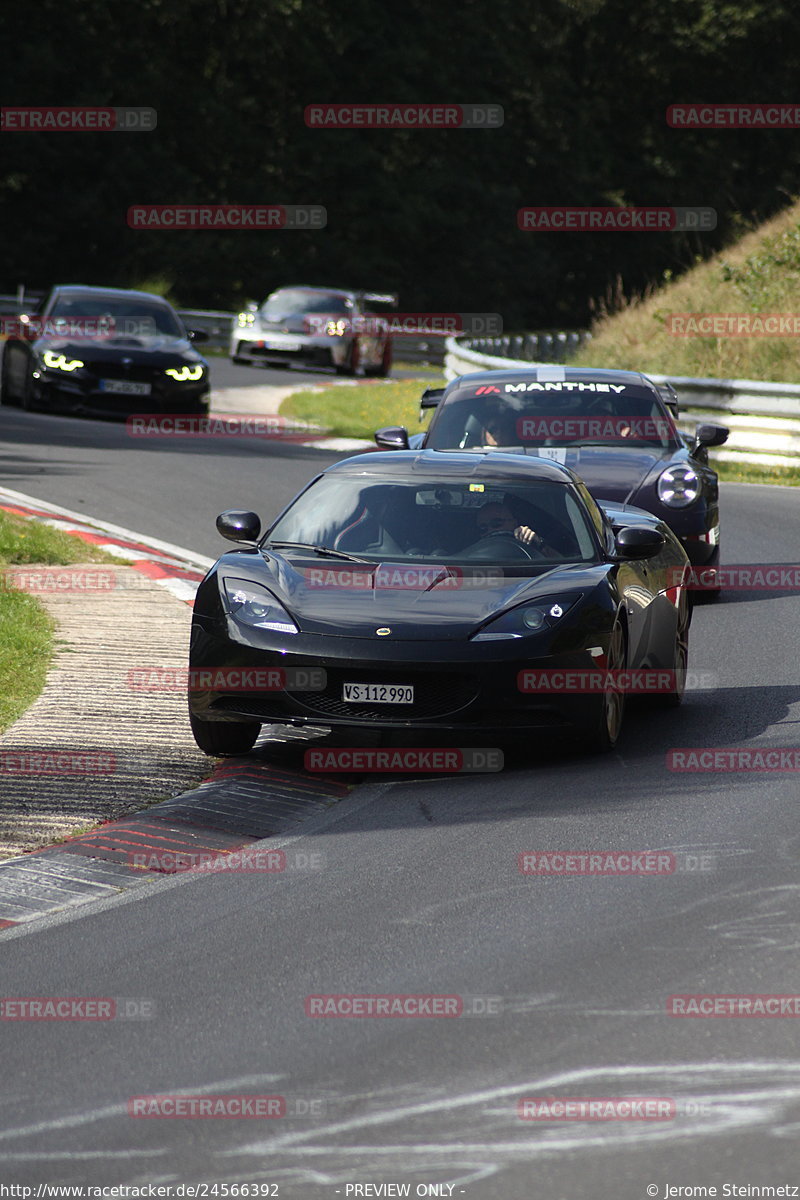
<point>106,351</point>
<point>425,587</point>
<point>615,429</point>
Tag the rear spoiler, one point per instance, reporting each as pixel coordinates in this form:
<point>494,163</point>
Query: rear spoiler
<point>390,299</point>
<point>431,397</point>
<point>670,397</point>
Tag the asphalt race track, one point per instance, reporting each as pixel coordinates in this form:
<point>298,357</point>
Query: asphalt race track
<point>419,892</point>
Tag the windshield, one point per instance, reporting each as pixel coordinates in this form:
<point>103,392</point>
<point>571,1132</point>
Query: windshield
<point>608,415</point>
<point>122,314</point>
<point>291,302</point>
<point>442,521</point>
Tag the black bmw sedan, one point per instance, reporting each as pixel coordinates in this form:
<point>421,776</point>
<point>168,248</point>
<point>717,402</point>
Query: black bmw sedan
<point>106,351</point>
<point>612,428</point>
<point>436,591</point>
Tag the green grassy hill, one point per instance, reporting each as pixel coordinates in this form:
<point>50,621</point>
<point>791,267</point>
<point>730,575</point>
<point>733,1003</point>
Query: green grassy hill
<point>758,274</point>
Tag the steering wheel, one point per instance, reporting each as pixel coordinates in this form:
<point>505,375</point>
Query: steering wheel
<point>483,549</point>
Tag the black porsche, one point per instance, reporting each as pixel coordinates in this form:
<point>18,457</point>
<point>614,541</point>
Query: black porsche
<point>106,351</point>
<point>436,591</point>
<point>615,429</point>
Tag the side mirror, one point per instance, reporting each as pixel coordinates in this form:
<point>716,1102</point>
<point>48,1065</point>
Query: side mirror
<point>238,525</point>
<point>712,435</point>
<point>197,335</point>
<point>638,541</point>
<point>392,437</point>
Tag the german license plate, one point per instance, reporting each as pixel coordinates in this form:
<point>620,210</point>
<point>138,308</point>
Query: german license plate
<point>126,387</point>
<point>378,693</point>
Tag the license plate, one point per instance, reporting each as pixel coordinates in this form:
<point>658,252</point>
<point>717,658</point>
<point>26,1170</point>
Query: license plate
<point>282,343</point>
<point>378,693</point>
<point>126,387</point>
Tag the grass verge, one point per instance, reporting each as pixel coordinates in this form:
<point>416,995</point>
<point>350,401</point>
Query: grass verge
<point>734,472</point>
<point>357,410</point>
<point>760,273</point>
<point>26,628</point>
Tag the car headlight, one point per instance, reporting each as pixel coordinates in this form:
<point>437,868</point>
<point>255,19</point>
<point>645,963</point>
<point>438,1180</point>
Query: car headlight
<point>527,619</point>
<point>185,373</point>
<point>60,362</point>
<point>245,319</point>
<point>336,328</point>
<point>253,605</point>
<point>678,486</point>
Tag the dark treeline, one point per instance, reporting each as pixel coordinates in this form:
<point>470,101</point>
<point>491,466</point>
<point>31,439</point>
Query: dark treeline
<point>584,84</point>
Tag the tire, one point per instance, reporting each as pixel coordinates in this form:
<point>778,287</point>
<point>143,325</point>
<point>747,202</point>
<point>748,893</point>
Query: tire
<point>353,361</point>
<point>28,401</point>
<point>5,388</point>
<point>224,738</point>
<point>680,657</point>
<point>239,358</point>
<point>604,733</point>
<point>384,368</point>
<point>708,595</point>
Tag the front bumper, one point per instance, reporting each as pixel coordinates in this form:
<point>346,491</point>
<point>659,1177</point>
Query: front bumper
<point>83,394</point>
<point>475,687</point>
<point>310,351</point>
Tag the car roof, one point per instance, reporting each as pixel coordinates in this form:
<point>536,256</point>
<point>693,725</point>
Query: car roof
<point>80,289</point>
<point>491,465</point>
<point>550,374</point>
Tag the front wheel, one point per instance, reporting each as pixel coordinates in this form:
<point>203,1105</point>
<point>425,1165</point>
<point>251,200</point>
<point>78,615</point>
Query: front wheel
<point>680,656</point>
<point>604,733</point>
<point>5,386</point>
<point>353,360</point>
<point>224,738</point>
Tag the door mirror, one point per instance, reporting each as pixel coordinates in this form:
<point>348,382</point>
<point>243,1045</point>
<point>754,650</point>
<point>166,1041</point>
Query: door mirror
<point>638,541</point>
<point>712,435</point>
<point>238,525</point>
<point>392,437</point>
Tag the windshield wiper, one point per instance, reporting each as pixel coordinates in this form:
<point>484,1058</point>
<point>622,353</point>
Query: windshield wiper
<point>326,550</point>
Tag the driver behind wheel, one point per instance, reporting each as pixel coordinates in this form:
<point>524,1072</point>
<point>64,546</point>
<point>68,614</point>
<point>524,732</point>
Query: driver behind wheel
<point>496,518</point>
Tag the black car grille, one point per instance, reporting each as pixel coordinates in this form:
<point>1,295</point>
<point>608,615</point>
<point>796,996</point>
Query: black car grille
<point>137,373</point>
<point>435,695</point>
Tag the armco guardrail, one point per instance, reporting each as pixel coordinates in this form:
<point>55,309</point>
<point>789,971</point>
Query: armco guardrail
<point>216,324</point>
<point>764,418</point>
